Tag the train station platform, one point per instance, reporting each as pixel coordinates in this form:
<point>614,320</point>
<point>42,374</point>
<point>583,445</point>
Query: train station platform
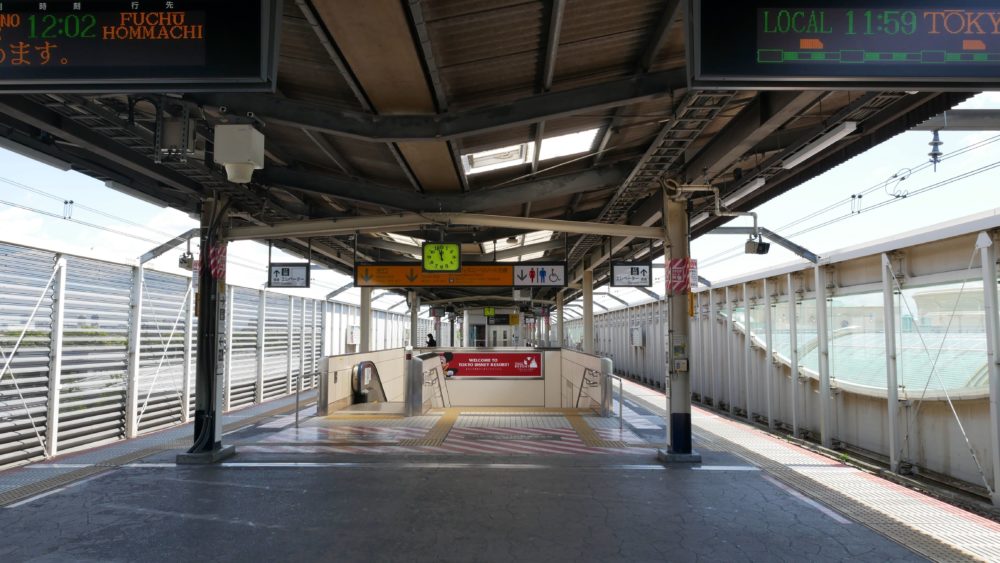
<point>475,484</point>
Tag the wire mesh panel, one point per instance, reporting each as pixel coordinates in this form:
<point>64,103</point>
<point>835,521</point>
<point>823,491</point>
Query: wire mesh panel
<point>243,365</point>
<point>95,352</point>
<point>275,345</point>
<point>24,274</point>
<point>160,381</point>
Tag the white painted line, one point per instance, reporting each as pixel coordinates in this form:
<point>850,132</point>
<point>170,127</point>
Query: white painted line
<point>54,491</point>
<point>725,468</point>
<point>59,465</point>
<point>806,500</point>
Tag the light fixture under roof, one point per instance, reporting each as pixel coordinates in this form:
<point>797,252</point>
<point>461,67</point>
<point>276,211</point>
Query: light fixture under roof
<point>812,149</point>
<point>746,190</point>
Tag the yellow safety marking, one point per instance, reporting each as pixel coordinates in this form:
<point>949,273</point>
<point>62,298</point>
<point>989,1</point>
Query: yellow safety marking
<point>437,434</point>
<point>589,437</point>
<point>517,410</point>
<point>363,417</point>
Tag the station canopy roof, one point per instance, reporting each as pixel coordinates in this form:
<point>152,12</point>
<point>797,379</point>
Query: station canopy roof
<point>558,109</point>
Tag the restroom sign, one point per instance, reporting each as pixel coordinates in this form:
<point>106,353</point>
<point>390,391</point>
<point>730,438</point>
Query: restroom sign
<point>632,274</point>
<point>540,275</point>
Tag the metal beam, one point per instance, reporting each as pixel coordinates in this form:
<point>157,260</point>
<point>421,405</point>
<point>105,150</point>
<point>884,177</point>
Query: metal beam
<point>86,138</point>
<point>652,294</point>
<point>780,240</point>
<point>340,290</point>
<point>368,192</point>
<point>453,125</point>
<point>167,246</point>
<point>328,227</point>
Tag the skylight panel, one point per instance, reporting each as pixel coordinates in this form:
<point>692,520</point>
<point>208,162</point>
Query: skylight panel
<point>495,159</point>
<point>565,145</point>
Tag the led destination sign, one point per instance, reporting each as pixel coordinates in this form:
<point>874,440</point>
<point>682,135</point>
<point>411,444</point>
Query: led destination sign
<point>835,44</point>
<point>112,46</point>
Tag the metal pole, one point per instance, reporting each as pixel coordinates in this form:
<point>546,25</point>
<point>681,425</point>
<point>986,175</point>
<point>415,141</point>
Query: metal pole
<point>768,356</point>
<point>730,338</point>
<point>227,384</point>
<point>677,234</point>
<point>588,311</point>
<point>55,358</point>
<point>891,386</point>
<point>713,356</point>
<point>288,345</point>
<point>988,257</point>
<point>825,424</point>
<point>188,351</point>
<point>621,401</point>
<point>414,319</point>
<point>794,354</point>
<point>135,356</point>
<point>261,342</point>
<point>365,320</point>
<point>747,353</point>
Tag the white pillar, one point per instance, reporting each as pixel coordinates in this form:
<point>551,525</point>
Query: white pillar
<point>892,388</point>
<point>366,320</point>
<point>560,319</point>
<point>261,334</point>
<point>288,346</point>
<point>730,340</point>
<point>747,352</point>
<point>768,356</point>
<point>302,344</point>
<point>588,311</point>
<point>988,257</point>
<point>825,422</point>
<point>227,383</point>
<point>711,384</point>
<point>188,353</point>
<point>467,328</point>
<point>793,355</point>
<point>134,357</point>
<point>55,358</point>
<point>415,339</point>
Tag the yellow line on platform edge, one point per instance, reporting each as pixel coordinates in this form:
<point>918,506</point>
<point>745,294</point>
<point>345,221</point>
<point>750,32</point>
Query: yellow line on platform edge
<point>437,434</point>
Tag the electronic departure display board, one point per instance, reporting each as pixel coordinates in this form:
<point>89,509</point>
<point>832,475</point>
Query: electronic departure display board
<point>138,46</point>
<point>838,44</point>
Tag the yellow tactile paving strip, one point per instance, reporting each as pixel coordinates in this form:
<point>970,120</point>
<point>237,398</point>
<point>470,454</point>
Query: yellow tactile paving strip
<point>363,417</point>
<point>437,434</point>
<point>589,436</point>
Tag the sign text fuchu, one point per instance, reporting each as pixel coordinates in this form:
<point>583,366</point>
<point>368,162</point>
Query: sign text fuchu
<point>153,25</point>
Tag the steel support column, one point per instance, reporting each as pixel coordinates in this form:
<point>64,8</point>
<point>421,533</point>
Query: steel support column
<point>188,352</point>
<point>289,386</point>
<point>134,356</point>
<point>988,257</point>
<point>414,319</point>
<point>261,334</point>
<point>207,447</point>
<point>302,343</point>
<point>730,340</point>
<point>588,311</point>
<point>823,344</point>
<point>560,319</point>
<point>747,351</point>
<point>768,356</point>
<point>892,388</point>
<point>793,354</point>
<point>365,320</point>
<point>55,358</point>
<point>676,227</point>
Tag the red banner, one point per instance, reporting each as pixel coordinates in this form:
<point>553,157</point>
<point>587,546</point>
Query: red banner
<point>679,276</point>
<point>491,364</point>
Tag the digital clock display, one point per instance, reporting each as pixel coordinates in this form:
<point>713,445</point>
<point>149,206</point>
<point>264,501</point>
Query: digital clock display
<point>163,45</point>
<point>836,44</point>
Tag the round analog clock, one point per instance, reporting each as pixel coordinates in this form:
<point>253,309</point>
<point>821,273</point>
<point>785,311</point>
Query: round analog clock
<point>442,257</point>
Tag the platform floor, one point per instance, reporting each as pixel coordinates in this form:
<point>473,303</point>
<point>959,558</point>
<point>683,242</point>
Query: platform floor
<point>480,485</point>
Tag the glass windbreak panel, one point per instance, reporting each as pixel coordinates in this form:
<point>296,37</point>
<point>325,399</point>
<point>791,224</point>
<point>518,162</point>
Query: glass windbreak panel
<point>740,318</point>
<point>805,330</point>
<point>857,339</point>
<point>757,322</point>
<point>941,341</point>
<point>781,341</point>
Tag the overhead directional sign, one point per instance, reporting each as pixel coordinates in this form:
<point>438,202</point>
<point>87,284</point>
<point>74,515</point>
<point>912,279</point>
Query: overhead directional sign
<point>831,44</point>
<point>489,311</point>
<point>129,46</point>
<point>634,274</point>
<point>412,275</point>
<point>540,275</point>
<point>288,275</point>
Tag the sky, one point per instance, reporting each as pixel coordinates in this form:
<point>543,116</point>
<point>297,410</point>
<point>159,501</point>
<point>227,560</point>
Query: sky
<point>32,212</point>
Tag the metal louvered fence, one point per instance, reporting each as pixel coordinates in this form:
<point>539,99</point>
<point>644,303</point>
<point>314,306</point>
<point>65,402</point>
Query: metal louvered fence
<point>93,351</point>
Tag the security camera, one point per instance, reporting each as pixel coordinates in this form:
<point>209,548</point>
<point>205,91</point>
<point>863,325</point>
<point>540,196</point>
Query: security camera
<point>186,261</point>
<point>756,246</point>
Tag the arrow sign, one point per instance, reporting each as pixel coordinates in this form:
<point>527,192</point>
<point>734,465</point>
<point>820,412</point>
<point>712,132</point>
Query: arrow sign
<point>537,274</point>
<point>366,276</point>
<point>631,274</point>
<point>410,276</point>
<point>521,275</point>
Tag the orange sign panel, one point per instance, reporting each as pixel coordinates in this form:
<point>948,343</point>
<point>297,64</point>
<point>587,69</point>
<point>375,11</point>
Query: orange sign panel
<point>412,275</point>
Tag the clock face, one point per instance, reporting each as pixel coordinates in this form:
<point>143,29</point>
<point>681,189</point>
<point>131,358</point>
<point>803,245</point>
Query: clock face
<point>442,257</point>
